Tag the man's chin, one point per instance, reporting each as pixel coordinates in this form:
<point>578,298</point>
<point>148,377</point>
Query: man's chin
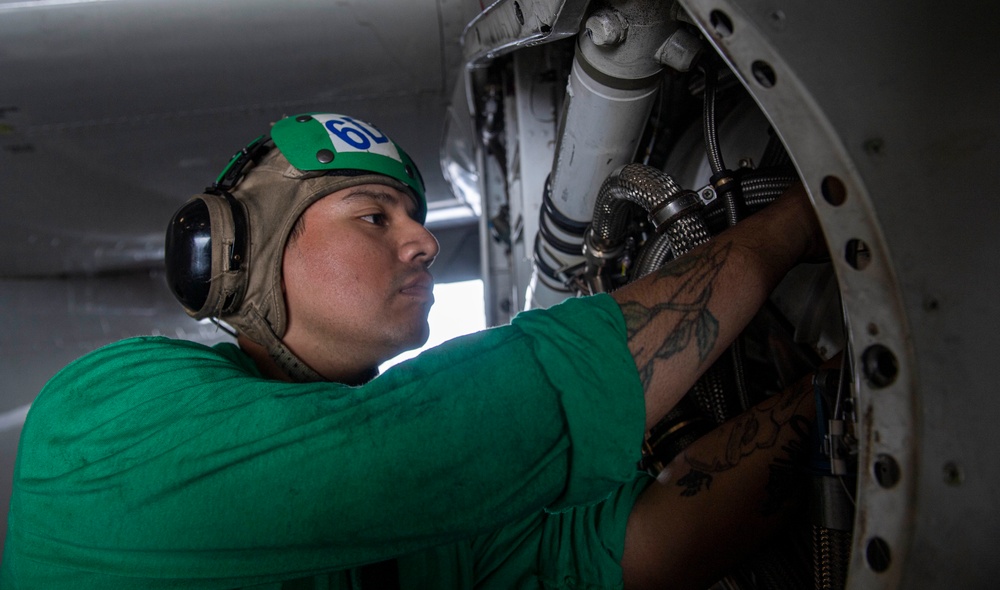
<point>414,339</point>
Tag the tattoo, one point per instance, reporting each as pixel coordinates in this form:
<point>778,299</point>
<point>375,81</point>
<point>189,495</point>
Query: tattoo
<point>694,482</point>
<point>696,274</point>
<point>761,429</point>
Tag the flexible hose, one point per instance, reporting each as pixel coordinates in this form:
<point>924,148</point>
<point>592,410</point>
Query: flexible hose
<point>758,192</point>
<point>653,256</point>
<point>629,186</point>
<point>711,133</point>
<point>831,555</point>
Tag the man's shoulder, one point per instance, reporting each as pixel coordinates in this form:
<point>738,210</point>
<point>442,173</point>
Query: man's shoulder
<point>151,353</point>
<point>147,363</point>
<point>142,375</point>
<point>140,345</point>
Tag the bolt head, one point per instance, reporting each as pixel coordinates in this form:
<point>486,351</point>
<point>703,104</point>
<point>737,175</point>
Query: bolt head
<point>607,27</point>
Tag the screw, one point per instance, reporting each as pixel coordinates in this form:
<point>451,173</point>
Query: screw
<point>953,474</point>
<point>874,146</point>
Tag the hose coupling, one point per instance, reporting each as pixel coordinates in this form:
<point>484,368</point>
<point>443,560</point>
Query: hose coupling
<point>672,209</point>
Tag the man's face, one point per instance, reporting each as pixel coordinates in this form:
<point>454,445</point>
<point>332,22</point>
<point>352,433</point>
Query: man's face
<point>356,284</point>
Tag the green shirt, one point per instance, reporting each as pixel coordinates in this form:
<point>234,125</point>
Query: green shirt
<point>157,463</point>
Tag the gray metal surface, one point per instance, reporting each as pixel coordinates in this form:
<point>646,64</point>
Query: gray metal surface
<point>509,25</point>
<point>113,112</point>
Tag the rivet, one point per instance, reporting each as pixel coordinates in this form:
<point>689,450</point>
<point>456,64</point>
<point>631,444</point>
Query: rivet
<point>324,156</point>
<point>874,146</point>
<point>409,170</point>
<point>303,118</point>
<point>953,475</point>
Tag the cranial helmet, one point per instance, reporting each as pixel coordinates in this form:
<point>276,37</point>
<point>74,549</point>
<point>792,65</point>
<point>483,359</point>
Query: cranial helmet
<point>224,248</point>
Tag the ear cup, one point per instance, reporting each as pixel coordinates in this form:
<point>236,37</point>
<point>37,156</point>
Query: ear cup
<point>206,254</point>
<point>188,255</point>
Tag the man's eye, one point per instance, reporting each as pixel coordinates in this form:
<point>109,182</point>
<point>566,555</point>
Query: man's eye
<point>374,218</point>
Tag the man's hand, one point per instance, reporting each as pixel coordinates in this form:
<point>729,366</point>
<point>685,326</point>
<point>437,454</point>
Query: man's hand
<point>683,316</point>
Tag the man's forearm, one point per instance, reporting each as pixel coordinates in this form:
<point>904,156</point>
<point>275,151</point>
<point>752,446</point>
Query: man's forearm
<point>683,316</point>
<point>723,496</point>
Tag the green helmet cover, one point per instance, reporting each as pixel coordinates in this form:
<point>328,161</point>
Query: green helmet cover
<point>328,141</point>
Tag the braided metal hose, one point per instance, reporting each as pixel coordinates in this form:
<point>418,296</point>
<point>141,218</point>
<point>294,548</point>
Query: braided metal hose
<point>686,233</point>
<point>633,184</point>
<point>629,191</point>
<point>708,120</point>
<point>758,192</point>
<point>652,257</point>
<point>768,183</point>
<point>831,556</point>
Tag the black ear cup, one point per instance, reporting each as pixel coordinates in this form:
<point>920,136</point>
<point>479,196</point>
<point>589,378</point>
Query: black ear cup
<point>188,255</point>
<point>206,254</point>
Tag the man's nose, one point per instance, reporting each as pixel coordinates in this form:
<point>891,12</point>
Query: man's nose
<point>420,245</point>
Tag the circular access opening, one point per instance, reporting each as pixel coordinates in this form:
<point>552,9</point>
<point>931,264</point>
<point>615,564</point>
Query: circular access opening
<point>879,365</point>
<point>764,73</point>
<point>721,23</point>
<point>877,554</point>
<point>857,254</point>
<point>833,190</point>
<point>886,471</point>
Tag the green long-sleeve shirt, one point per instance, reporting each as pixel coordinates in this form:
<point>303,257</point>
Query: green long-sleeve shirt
<point>157,463</point>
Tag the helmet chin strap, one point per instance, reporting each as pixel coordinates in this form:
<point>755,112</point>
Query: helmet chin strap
<point>297,370</point>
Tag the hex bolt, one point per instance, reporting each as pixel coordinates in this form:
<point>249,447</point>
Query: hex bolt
<point>607,27</point>
<point>679,50</point>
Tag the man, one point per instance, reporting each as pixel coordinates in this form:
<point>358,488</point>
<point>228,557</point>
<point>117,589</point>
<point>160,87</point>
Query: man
<point>503,459</point>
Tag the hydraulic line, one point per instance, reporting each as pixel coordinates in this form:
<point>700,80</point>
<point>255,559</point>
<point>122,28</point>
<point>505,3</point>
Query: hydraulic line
<point>653,256</point>
<point>831,556</point>
<point>708,121</point>
<point>627,191</point>
<point>630,185</point>
<point>721,177</point>
<point>758,191</point>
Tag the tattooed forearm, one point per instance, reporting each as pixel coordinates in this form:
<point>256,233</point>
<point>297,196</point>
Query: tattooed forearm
<point>778,427</point>
<point>758,429</point>
<point>687,307</point>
